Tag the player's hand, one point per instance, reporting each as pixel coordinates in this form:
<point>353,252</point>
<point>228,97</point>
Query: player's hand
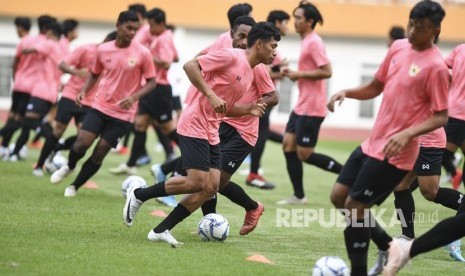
<point>396,143</point>
<point>79,98</point>
<point>218,104</point>
<point>340,96</point>
<point>126,103</point>
<point>292,75</point>
<point>257,109</point>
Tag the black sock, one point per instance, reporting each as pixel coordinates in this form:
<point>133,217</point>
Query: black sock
<point>174,136</point>
<point>10,127</point>
<point>22,139</point>
<point>169,166</point>
<point>236,194</point>
<point>156,190</point>
<point>126,138</point>
<point>379,235</point>
<point>415,184</point>
<point>295,171</point>
<point>357,240</point>
<point>48,147</point>
<point>178,214</point>
<point>74,157</point>
<point>275,137</point>
<point>164,141</point>
<point>448,162</point>
<point>445,232</point>
<point>209,206</point>
<point>89,168</point>
<point>449,198</point>
<point>67,144</point>
<point>140,137</point>
<point>406,206</point>
<point>257,152</point>
<point>324,162</point>
<point>179,169</point>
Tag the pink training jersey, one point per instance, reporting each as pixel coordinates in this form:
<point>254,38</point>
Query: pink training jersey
<point>48,79</point>
<point>415,84</point>
<point>81,58</point>
<point>247,126</point>
<point>121,71</point>
<point>163,48</point>
<point>224,41</point>
<point>230,76</point>
<point>64,44</point>
<point>276,61</point>
<point>29,64</point>
<point>434,139</point>
<point>312,93</point>
<point>144,36</point>
<point>456,61</point>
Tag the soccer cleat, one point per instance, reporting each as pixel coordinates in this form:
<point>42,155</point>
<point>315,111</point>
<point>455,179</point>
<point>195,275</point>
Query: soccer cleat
<point>167,200</point>
<point>399,255</point>
<point>251,219</point>
<point>143,160</point>
<point>379,264</point>
<point>157,173</point>
<point>171,157</point>
<point>14,158</point>
<point>457,159</point>
<point>131,207</point>
<point>36,145</point>
<point>457,179</point>
<point>258,181</point>
<point>454,251</point>
<point>70,191</point>
<point>123,150</point>
<point>38,172</point>
<point>163,237</point>
<point>123,169</point>
<point>293,200</point>
<point>60,174</point>
<point>4,152</point>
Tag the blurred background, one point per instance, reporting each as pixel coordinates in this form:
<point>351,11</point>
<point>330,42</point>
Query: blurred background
<point>355,34</point>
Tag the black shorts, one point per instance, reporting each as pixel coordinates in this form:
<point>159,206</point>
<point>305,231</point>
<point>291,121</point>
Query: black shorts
<point>455,131</point>
<point>429,161</point>
<point>306,129</point>
<point>67,109</point>
<point>19,102</point>
<point>198,154</point>
<point>158,103</point>
<point>370,181</point>
<point>39,106</point>
<point>234,149</point>
<point>109,128</point>
<point>176,103</point>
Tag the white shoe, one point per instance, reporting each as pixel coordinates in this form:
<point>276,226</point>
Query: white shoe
<point>379,264</point>
<point>157,173</point>
<point>163,237</point>
<point>293,200</point>
<point>70,191</point>
<point>131,207</point>
<point>399,255</point>
<point>60,174</point>
<point>13,158</point>
<point>4,152</point>
<point>38,172</point>
<point>123,169</point>
<point>457,159</point>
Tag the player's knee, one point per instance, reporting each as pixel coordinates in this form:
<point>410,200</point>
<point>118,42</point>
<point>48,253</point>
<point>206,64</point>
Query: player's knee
<point>428,193</point>
<point>211,190</point>
<point>337,200</point>
<point>195,184</point>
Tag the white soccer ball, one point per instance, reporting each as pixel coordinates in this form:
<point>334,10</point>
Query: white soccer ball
<point>130,181</point>
<point>213,227</point>
<point>330,266</point>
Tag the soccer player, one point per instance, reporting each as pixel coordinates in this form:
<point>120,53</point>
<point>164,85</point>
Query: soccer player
<point>157,105</point>
<point>305,120</point>
<point>45,92</point>
<point>78,64</point>
<point>395,33</point>
<point>25,71</point>
<point>121,65</point>
<point>70,33</point>
<point>220,79</point>
<point>455,128</point>
<point>414,80</point>
<point>280,19</point>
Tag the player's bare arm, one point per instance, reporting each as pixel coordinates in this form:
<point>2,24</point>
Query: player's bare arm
<point>364,92</point>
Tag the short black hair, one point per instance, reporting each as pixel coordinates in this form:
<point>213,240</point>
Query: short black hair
<point>126,16</point>
<point>56,29</point>
<point>277,15</point>
<point>264,31</point>
<point>110,36</point>
<point>157,15</point>
<point>430,10</point>
<point>238,10</point>
<point>243,20</point>
<point>138,8</point>
<point>23,22</point>
<point>396,32</point>
<point>310,12</point>
<point>44,20</point>
<point>69,25</point>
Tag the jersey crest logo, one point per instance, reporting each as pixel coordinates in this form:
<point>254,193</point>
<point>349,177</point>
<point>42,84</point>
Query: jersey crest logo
<point>131,62</point>
<point>414,70</point>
